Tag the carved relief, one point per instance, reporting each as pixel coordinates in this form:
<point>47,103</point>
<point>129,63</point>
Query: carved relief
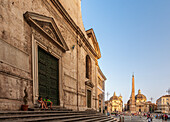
<point>49,31</point>
<point>50,47</point>
<point>48,28</point>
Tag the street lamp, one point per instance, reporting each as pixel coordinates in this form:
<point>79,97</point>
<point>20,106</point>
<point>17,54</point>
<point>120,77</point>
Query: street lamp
<point>151,99</point>
<point>151,103</point>
<point>168,91</point>
<point>168,106</point>
<point>107,95</point>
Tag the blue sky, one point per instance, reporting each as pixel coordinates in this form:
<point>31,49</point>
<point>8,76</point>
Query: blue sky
<point>134,36</point>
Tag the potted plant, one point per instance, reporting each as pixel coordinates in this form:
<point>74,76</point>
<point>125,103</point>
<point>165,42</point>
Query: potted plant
<point>25,99</point>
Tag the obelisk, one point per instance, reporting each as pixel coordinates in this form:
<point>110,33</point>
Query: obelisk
<point>132,103</point>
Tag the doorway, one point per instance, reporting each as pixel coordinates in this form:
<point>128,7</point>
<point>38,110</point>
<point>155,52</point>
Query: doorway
<point>88,98</point>
<point>48,76</point>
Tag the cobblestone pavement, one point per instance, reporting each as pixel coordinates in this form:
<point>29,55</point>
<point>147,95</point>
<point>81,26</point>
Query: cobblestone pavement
<point>142,119</point>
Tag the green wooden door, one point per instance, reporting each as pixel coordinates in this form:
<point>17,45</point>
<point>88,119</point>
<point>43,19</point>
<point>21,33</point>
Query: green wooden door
<point>48,76</point>
<point>88,98</point>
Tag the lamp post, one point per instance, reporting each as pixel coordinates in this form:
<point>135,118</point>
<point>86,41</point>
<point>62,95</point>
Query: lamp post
<point>168,91</point>
<point>168,107</point>
<point>151,103</point>
<point>107,95</point>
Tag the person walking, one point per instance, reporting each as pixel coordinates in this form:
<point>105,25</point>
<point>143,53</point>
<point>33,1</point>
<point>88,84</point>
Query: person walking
<point>149,118</point>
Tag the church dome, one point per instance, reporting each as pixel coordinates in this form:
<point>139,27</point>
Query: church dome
<point>114,97</point>
<point>140,96</point>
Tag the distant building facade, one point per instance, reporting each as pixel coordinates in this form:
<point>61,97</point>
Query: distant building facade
<point>163,104</point>
<point>45,49</point>
<point>107,106</point>
<point>115,104</point>
<point>150,107</point>
<point>139,102</point>
<point>125,107</point>
<point>100,91</point>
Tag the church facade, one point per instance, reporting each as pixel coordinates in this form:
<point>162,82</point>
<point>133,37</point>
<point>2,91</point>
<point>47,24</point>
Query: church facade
<point>45,50</point>
<point>137,103</point>
<point>114,104</point>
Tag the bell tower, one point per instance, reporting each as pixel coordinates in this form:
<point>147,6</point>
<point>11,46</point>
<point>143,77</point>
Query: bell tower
<point>132,100</point>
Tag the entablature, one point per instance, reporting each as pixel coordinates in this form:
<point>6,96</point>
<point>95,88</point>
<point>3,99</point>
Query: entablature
<point>71,22</point>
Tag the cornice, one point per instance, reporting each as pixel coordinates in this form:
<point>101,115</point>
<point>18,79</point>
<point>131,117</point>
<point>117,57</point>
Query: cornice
<point>34,19</point>
<point>101,73</point>
<point>91,33</point>
<point>70,21</point>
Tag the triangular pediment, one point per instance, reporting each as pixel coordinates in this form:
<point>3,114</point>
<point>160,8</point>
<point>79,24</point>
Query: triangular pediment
<point>93,41</point>
<point>48,27</point>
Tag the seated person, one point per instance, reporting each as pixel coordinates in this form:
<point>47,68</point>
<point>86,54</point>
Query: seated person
<point>41,102</point>
<point>48,102</point>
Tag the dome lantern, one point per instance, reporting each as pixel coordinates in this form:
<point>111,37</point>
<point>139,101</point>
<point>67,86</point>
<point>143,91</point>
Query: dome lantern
<point>139,91</point>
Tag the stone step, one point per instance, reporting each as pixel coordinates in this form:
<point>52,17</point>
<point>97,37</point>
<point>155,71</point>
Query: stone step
<point>58,118</point>
<point>106,119</point>
<point>31,112</point>
<point>115,120</point>
<point>20,116</point>
<point>95,119</point>
<point>80,119</point>
<point>52,115</point>
<point>58,108</point>
<point>39,115</point>
<point>111,120</point>
<point>39,112</point>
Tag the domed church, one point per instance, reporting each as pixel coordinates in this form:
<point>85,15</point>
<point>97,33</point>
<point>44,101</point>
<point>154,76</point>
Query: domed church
<point>140,100</point>
<point>114,104</point>
<point>137,103</point>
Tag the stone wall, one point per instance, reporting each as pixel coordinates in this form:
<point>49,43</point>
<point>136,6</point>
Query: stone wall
<point>73,7</point>
<point>16,59</point>
<point>15,52</point>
